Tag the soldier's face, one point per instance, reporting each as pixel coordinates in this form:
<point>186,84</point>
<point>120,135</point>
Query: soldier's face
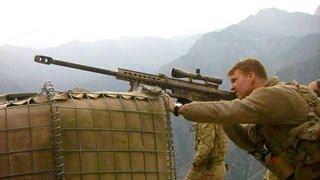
<point>242,83</point>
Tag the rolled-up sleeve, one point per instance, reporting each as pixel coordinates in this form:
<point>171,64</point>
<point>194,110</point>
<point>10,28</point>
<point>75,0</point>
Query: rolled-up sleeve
<point>262,106</point>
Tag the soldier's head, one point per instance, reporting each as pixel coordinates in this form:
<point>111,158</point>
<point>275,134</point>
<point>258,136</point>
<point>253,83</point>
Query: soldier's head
<point>246,76</point>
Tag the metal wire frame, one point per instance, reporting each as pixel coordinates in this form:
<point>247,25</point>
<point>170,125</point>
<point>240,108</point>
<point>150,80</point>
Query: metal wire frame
<point>127,130</point>
<point>31,150</point>
<point>114,110</point>
<point>30,135</point>
<point>56,132</point>
<point>119,171</point>
<point>126,119</point>
<point>95,134</point>
<point>155,137</point>
<point>78,136</point>
<point>7,139</point>
<point>26,174</point>
<point>112,135</point>
<point>78,129</point>
<point>142,137</point>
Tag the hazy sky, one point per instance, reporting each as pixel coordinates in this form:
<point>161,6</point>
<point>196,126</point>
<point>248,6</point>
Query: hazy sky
<point>41,23</point>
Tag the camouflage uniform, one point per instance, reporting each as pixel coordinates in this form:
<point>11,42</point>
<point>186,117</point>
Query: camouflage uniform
<point>210,146</point>
<point>273,111</point>
<point>270,176</point>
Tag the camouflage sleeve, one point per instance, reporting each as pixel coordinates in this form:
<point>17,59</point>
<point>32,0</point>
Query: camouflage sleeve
<point>206,137</point>
<point>259,107</point>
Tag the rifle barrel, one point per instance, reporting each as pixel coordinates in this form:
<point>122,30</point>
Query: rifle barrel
<point>49,60</point>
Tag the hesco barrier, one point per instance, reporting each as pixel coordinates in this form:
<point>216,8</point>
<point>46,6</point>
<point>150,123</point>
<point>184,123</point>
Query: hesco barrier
<point>109,136</point>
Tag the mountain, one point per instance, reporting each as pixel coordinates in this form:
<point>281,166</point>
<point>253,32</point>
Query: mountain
<point>20,74</point>
<point>183,143</point>
<point>280,22</point>
<point>260,35</point>
<point>303,72</point>
<point>16,70</point>
<point>302,50</point>
<point>185,42</point>
<point>215,52</point>
<point>134,53</point>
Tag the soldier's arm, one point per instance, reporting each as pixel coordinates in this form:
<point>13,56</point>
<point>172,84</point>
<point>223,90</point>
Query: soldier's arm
<point>206,137</point>
<point>264,105</point>
<point>238,134</point>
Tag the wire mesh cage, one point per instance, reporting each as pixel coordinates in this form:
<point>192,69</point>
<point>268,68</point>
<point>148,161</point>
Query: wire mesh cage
<point>86,136</point>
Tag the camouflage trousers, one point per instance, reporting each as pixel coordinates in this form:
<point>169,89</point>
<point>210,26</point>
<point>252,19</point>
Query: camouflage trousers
<point>217,172</point>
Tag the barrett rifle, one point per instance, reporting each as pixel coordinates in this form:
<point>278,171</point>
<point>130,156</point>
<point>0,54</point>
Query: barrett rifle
<point>184,90</point>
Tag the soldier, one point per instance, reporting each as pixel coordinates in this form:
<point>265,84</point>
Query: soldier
<point>210,146</point>
<point>283,131</point>
<point>315,86</point>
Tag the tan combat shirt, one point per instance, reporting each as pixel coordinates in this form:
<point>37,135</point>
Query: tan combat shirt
<point>275,104</point>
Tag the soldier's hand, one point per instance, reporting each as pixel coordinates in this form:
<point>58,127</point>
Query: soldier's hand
<point>169,102</point>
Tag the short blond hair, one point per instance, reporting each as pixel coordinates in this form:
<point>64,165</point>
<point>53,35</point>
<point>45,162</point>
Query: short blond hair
<point>249,65</point>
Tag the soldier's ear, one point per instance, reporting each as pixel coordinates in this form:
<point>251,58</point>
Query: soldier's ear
<point>251,76</point>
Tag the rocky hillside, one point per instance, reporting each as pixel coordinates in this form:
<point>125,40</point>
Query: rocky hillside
<point>304,72</point>
<point>275,21</point>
